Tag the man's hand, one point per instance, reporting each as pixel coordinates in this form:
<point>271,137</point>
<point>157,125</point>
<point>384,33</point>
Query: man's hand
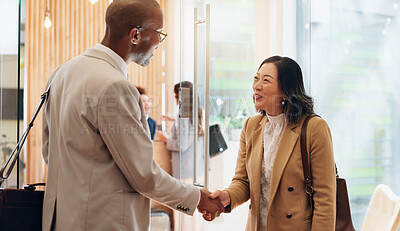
<point>210,208</point>
<point>225,199</point>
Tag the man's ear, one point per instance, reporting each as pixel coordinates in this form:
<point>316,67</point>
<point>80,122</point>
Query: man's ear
<point>134,35</point>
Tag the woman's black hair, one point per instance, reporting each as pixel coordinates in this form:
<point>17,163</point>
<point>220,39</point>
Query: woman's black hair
<point>290,78</point>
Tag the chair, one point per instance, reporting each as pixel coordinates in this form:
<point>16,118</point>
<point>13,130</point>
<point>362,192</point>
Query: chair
<point>383,212</point>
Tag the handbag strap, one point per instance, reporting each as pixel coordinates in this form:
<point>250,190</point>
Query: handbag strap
<point>15,153</point>
<point>305,159</point>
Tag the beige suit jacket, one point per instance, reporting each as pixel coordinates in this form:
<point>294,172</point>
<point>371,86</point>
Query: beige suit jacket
<point>96,141</point>
<point>288,207</point>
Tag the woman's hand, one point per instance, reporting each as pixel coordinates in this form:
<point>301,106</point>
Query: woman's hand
<point>161,136</point>
<point>168,118</point>
<point>223,196</point>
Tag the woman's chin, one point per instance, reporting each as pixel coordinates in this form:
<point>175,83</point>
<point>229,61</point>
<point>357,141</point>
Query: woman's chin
<point>259,107</point>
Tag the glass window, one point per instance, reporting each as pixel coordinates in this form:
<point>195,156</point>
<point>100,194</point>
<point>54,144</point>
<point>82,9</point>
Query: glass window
<point>348,51</point>
<point>11,95</point>
<point>232,55</point>
<point>231,64</point>
<point>354,74</point>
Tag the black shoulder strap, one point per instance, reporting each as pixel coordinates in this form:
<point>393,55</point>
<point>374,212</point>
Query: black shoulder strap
<point>15,153</point>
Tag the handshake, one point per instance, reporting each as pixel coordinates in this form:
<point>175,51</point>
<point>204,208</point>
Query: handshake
<point>211,205</point>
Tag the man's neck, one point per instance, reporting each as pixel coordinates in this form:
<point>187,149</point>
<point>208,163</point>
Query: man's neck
<point>123,53</point>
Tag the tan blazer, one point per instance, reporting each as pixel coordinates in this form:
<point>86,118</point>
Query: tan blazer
<point>96,142</point>
<point>288,208</point>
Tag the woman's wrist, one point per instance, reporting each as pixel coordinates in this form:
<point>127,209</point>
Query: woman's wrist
<point>227,198</point>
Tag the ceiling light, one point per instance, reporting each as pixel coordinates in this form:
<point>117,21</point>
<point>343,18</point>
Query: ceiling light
<point>47,20</point>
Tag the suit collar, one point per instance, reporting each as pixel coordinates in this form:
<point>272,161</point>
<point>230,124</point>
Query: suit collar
<point>285,150</point>
<point>100,53</point>
<point>258,146</point>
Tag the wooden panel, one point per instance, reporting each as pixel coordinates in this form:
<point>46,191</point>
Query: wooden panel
<point>77,26</point>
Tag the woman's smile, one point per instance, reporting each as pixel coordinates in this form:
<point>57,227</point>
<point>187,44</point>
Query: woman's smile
<point>257,96</point>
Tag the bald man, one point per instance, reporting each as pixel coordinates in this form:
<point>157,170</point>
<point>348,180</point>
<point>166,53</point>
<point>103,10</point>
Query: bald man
<point>96,140</point>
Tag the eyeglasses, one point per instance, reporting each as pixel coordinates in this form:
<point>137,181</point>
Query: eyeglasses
<point>161,33</point>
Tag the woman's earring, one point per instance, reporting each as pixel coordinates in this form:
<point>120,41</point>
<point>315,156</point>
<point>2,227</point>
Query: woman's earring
<point>283,102</point>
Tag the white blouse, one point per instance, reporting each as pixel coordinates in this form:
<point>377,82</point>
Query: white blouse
<point>272,135</point>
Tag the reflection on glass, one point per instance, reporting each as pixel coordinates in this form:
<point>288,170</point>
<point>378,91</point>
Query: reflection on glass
<point>181,137</point>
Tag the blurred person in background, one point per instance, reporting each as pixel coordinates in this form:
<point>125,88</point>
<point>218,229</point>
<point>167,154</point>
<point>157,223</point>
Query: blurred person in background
<point>181,137</point>
<point>147,106</point>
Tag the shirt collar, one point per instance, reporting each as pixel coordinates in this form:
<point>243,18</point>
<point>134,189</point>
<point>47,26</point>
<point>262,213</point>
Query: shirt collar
<point>120,62</point>
<point>277,119</point>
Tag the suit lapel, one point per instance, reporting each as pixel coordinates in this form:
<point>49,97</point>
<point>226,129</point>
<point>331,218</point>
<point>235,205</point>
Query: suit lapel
<point>258,152</point>
<point>285,149</point>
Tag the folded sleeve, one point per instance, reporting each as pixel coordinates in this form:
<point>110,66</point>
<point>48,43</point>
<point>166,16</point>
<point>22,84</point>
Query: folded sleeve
<point>239,189</point>
<point>131,148</point>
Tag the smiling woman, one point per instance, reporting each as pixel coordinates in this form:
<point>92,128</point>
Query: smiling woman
<point>267,92</point>
<point>279,87</point>
<point>270,153</point>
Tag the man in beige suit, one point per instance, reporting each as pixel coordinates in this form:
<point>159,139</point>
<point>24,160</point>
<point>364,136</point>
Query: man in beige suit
<point>96,140</point>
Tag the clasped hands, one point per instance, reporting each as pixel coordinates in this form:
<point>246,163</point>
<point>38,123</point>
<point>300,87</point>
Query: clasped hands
<point>211,205</point>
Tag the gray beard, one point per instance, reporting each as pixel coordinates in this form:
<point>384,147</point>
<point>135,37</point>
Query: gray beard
<point>141,59</point>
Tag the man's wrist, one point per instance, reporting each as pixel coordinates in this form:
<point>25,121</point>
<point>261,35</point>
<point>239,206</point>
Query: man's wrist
<point>199,198</point>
